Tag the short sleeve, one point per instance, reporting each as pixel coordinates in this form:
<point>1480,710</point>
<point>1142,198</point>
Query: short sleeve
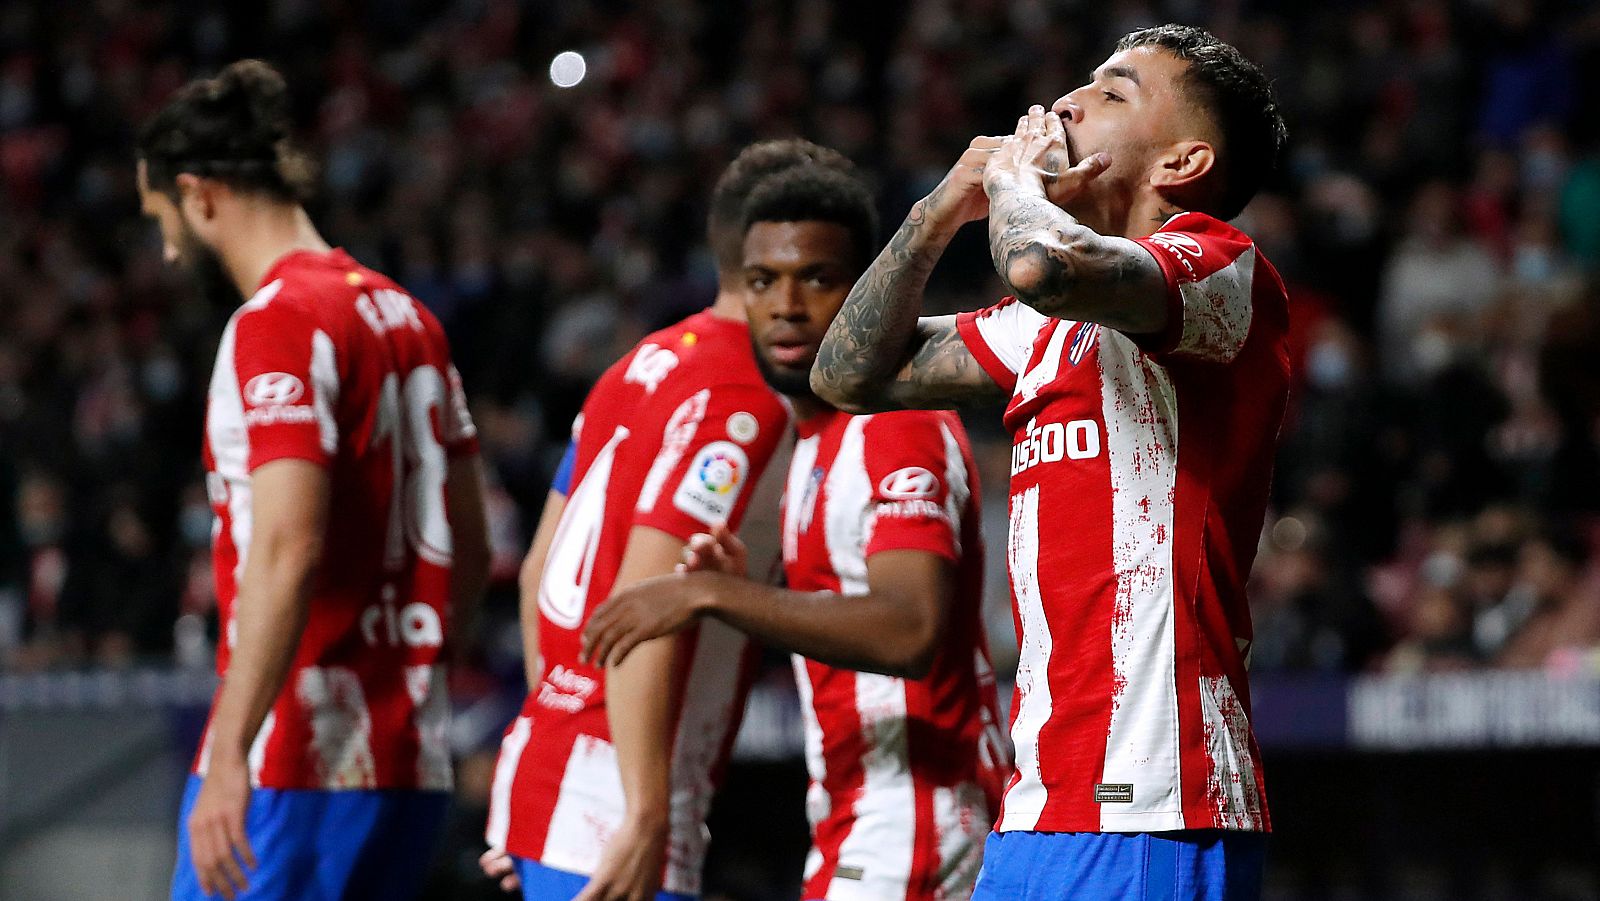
<point>1209,268</point>
<point>285,368</point>
<point>714,446</point>
<point>1001,338</point>
<point>918,473</point>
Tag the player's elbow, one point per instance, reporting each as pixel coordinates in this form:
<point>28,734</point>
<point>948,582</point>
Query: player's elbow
<point>915,645</point>
<point>850,391</point>
<point>1036,271</point>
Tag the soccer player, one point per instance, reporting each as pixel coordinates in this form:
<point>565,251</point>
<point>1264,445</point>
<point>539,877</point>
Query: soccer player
<point>883,559</point>
<point>343,472</point>
<point>1143,368</point>
<point>604,780</point>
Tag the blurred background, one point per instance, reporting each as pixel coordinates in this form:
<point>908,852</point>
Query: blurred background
<point>1427,597</point>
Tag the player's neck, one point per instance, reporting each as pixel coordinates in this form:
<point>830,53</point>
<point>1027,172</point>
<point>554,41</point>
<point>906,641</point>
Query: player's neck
<point>1147,214</point>
<point>729,304</point>
<point>808,407</point>
<point>266,233</point>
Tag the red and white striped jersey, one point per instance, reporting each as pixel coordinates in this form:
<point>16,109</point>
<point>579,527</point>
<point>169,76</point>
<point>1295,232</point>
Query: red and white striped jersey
<point>1139,477</point>
<point>333,363</point>
<point>671,437</point>
<point>905,774</point>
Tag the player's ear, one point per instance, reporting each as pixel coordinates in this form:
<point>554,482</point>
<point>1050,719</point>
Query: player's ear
<point>1183,166</point>
<point>197,197</point>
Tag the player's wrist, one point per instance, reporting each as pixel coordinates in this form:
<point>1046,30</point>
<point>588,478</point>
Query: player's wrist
<point>930,225</point>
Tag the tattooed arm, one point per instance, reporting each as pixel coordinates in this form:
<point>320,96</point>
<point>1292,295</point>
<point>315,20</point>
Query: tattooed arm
<point>879,353</point>
<point>1049,260</point>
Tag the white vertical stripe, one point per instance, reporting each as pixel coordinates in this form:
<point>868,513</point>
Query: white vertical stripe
<point>799,495</point>
<point>505,773</point>
<point>960,824</point>
<point>1141,419</point>
<point>1231,784</point>
<point>849,494</point>
<point>325,381</point>
<point>709,693</point>
<point>430,703</point>
<point>590,805</point>
<point>341,726</point>
<point>957,491</point>
<point>1026,799</point>
<point>879,842</point>
<point>818,804</point>
<point>1048,364</point>
<point>257,757</point>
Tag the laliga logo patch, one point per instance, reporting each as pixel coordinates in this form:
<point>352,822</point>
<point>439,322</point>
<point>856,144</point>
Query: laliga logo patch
<point>712,484</point>
<point>719,473</point>
<point>909,484</point>
<point>273,389</point>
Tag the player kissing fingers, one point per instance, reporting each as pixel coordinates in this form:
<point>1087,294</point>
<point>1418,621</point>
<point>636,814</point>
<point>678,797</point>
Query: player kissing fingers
<point>1036,157</point>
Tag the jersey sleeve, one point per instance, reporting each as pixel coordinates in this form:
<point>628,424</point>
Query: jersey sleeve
<point>286,370</point>
<point>918,474</point>
<point>1001,338</point>
<point>714,447</point>
<point>1210,270</point>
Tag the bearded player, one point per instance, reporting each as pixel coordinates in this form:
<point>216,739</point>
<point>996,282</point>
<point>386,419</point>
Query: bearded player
<point>883,560</point>
<point>343,473</point>
<point>604,780</point>
<point>1142,365</point>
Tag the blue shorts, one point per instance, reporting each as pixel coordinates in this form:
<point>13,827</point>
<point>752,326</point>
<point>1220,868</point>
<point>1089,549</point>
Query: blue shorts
<point>315,845</point>
<point>1196,865</point>
<point>541,883</point>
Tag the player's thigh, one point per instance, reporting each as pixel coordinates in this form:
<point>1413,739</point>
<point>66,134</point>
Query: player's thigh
<point>279,827</point>
<point>392,861</point>
<point>542,883</point>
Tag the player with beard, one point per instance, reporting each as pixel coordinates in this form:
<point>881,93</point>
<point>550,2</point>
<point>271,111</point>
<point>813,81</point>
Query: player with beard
<point>1143,367</point>
<point>351,540</point>
<point>883,563</point>
<point>604,780</point>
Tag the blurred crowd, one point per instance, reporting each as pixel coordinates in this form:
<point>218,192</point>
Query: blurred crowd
<point>1437,220</point>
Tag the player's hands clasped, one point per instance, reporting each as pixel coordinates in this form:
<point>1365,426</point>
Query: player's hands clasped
<point>217,841</point>
<point>1036,157</point>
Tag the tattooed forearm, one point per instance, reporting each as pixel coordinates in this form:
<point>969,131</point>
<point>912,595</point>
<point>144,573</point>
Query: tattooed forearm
<point>878,354</point>
<point>1064,269</point>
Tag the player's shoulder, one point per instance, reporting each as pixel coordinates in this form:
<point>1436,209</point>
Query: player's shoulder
<point>701,352</point>
<point>902,431</point>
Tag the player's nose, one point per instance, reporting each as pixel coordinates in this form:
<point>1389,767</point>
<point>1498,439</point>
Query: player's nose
<point>1067,108</point>
<point>791,301</point>
<point>169,252</point>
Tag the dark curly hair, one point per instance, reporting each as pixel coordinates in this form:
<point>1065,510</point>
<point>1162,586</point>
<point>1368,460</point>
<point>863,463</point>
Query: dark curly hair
<point>233,127</point>
<point>819,192</point>
<point>725,225</point>
<point>1237,95</point>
